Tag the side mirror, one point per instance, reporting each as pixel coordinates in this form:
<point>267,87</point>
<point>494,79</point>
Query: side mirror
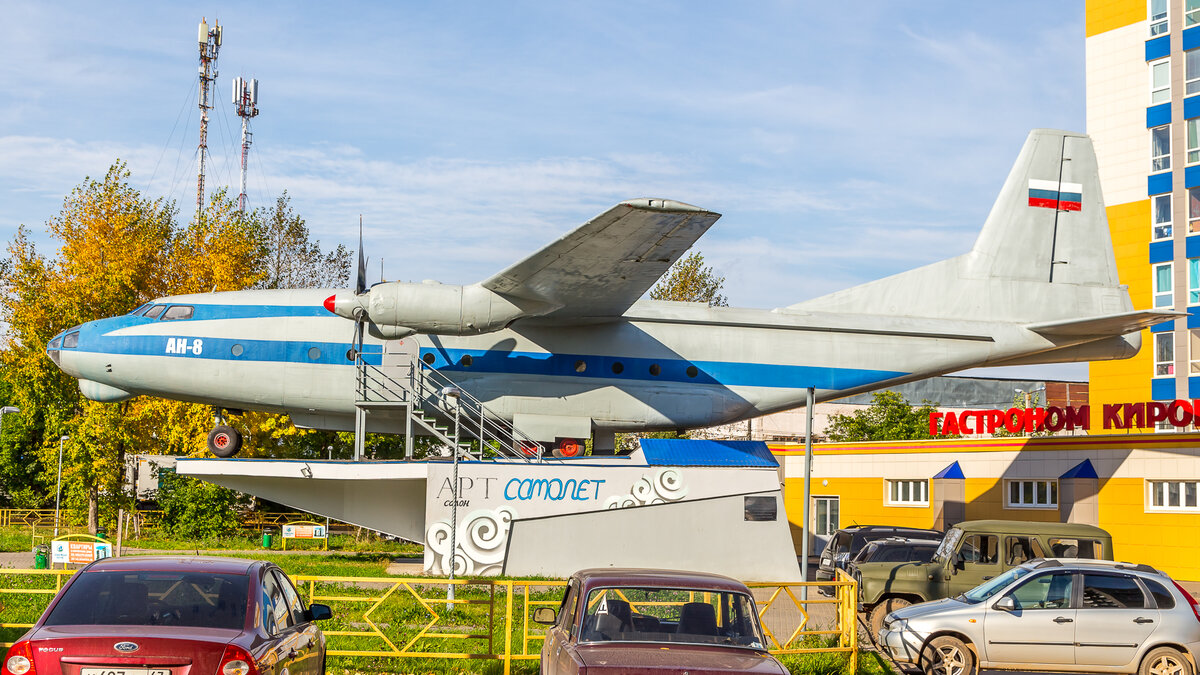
<point>1006,604</point>
<point>544,616</point>
<point>317,612</point>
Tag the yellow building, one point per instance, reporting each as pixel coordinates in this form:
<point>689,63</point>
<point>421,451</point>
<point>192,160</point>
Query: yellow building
<point>1142,488</point>
<point>1143,114</point>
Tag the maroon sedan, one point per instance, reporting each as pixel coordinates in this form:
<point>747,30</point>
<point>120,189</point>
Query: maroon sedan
<point>174,616</point>
<point>655,622</point>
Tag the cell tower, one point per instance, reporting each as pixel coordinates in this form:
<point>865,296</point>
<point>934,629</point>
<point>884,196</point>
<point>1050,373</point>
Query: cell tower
<point>210,44</point>
<point>245,97</point>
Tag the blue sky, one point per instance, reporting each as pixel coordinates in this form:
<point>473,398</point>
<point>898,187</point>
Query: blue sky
<point>841,142</point>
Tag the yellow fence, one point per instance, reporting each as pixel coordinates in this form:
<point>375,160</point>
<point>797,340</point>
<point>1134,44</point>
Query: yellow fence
<point>149,518</point>
<point>420,618</point>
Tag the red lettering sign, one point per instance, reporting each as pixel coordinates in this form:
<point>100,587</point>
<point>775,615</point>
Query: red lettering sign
<point>1141,415</point>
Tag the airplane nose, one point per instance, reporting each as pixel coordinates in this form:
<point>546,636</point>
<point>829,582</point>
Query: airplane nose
<point>346,305</point>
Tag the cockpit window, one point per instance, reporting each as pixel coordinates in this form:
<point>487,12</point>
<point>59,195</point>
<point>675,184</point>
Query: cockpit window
<point>154,311</point>
<point>71,340</point>
<point>178,313</point>
<point>54,343</point>
<point>140,310</point>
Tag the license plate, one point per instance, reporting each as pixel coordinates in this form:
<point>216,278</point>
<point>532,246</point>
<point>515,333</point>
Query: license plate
<point>124,671</point>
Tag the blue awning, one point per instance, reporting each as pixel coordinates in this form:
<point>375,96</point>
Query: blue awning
<point>688,452</point>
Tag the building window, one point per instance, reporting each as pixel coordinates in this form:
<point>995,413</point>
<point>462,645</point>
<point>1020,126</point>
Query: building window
<point>1164,354</point>
<point>1193,141</point>
<point>1165,495</point>
<point>1194,281</point>
<point>1160,82</point>
<point>1160,149</point>
<point>1162,215</point>
<point>1193,210</point>
<point>1164,285</point>
<point>825,516</point>
<point>1191,13</point>
<point>908,492</point>
<point>1035,494</point>
<point>1194,352</point>
<point>1191,69</point>
<point>1159,22</point>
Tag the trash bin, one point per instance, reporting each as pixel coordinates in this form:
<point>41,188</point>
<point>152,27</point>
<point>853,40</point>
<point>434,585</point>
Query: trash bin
<point>102,533</point>
<point>39,557</point>
<point>266,539</point>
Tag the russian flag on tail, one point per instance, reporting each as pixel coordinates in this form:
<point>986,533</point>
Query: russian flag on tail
<point>1051,194</point>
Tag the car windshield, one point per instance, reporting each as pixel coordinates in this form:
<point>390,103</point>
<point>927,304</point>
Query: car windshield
<point>945,550</point>
<point>989,588</point>
<point>153,599</point>
<point>671,615</point>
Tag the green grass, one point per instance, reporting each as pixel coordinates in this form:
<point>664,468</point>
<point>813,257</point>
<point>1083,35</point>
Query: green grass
<point>18,538</point>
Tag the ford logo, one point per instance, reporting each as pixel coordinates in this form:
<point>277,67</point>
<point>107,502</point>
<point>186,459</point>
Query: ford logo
<point>126,646</point>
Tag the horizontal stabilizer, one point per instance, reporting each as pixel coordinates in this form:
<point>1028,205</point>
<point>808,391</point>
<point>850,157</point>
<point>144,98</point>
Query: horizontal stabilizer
<point>605,265</point>
<point>1110,324</point>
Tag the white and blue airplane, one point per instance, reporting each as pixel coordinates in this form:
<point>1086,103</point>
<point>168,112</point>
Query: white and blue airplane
<point>562,346</point>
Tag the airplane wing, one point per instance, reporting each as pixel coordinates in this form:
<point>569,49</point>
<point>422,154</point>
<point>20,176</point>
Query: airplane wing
<point>1111,324</point>
<point>606,264</point>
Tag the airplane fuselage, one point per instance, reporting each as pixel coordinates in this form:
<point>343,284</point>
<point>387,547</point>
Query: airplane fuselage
<point>660,366</point>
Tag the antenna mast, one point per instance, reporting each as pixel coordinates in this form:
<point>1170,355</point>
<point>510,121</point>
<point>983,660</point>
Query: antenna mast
<point>245,98</point>
<point>210,44</point>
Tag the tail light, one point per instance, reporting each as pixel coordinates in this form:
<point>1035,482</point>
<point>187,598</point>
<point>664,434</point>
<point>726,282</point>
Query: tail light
<point>235,661</point>
<point>1190,600</point>
<point>19,660</point>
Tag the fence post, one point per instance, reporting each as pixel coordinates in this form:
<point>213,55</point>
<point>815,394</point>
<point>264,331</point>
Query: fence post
<point>508,629</point>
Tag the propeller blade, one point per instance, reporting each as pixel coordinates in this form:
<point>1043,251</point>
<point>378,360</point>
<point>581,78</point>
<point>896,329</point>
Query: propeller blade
<point>360,281</point>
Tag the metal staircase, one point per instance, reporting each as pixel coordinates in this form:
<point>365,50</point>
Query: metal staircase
<point>439,408</point>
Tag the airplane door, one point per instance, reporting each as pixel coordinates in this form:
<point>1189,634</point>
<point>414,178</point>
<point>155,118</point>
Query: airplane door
<point>398,358</point>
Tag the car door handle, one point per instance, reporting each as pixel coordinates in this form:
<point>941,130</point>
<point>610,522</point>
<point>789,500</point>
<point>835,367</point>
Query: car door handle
<point>1142,619</point>
<point>1062,619</point>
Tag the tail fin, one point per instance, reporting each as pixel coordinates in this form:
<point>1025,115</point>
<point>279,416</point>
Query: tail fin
<point>1049,223</point>
<point>1044,254</point>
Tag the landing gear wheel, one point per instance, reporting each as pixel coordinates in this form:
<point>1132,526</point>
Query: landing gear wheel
<point>224,441</point>
<point>1165,661</point>
<point>879,613</point>
<point>948,655</point>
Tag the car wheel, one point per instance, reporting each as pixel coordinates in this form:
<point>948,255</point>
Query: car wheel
<point>946,655</point>
<point>879,613</point>
<point>1165,661</point>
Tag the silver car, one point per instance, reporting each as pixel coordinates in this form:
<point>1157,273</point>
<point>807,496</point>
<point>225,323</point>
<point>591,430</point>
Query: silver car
<point>1055,615</point>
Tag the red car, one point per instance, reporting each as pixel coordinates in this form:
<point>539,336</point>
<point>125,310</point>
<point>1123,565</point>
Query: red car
<point>656,622</point>
<point>174,616</point>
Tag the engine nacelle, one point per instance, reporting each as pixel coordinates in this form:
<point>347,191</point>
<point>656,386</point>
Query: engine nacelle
<point>444,309</point>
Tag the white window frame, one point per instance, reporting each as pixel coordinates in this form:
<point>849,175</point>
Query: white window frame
<point>1160,25</point>
<point>1191,71</point>
<point>1028,493</point>
<point>1193,282</point>
<point>1193,210</point>
<point>1194,351</point>
<point>1160,93</point>
<point>908,492</point>
<point>1160,163</point>
<point>1164,368</point>
<point>1163,297</point>
<point>1159,496</point>
<point>1193,141</point>
<point>834,523</point>
<point>1162,230</point>
<point>1191,13</point>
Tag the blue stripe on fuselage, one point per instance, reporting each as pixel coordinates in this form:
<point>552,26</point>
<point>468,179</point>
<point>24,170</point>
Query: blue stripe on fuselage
<point>97,337</point>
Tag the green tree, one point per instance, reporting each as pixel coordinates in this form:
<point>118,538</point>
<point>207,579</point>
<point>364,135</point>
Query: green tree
<point>890,417</point>
<point>194,509</point>
<point>293,260</point>
<point>689,280</point>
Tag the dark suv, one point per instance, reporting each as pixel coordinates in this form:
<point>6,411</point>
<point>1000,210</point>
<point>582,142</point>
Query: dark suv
<point>848,541</point>
<point>896,549</point>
